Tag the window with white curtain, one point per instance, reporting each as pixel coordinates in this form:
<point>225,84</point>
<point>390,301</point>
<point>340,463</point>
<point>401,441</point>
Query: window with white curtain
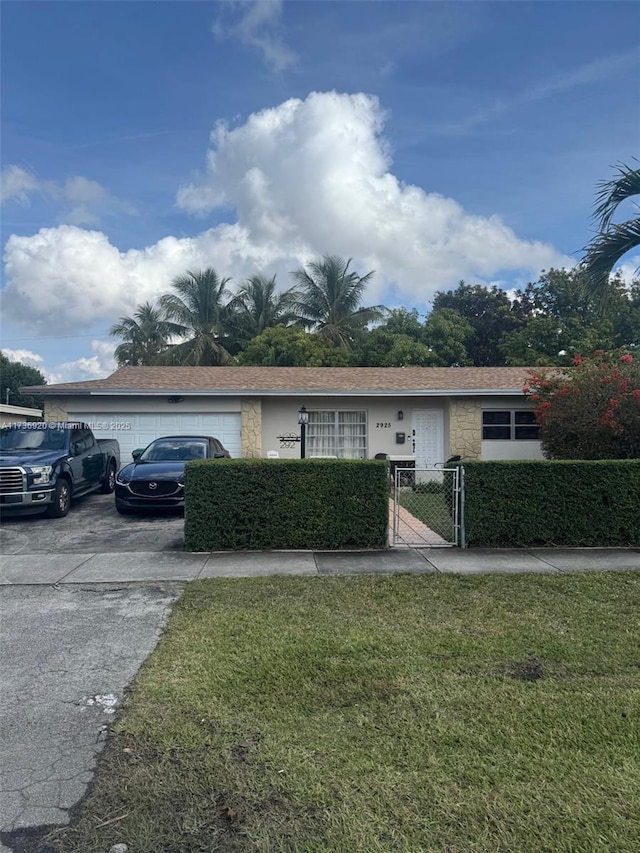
<point>341,434</point>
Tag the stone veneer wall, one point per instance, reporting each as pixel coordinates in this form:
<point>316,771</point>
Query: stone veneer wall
<point>55,410</point>
<point>465,427</point>
<point>251,438</point>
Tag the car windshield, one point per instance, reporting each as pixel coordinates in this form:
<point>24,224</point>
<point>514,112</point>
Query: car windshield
<point>32,436</point>
<point>174,449</point>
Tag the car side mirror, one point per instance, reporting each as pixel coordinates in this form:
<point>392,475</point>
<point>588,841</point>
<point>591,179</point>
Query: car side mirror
<point>218,455</point>
<point>76,448</point>
<point>137,453</point>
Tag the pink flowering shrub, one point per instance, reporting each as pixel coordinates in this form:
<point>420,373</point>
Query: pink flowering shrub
<point>590,411</point>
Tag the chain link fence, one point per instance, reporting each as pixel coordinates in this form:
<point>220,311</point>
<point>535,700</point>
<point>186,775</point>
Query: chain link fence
<point>426,506</point>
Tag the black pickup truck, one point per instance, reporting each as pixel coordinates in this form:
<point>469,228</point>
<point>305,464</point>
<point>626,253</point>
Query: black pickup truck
<point>43,465</point>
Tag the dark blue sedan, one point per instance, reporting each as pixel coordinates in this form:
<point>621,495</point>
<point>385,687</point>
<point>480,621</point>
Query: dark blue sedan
<point>155,478</point>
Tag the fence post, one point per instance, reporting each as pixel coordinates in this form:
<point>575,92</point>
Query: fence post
<point>395,506</point>
<point>463,533</point>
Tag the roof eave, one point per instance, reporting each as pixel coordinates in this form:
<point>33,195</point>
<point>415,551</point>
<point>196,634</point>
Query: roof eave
<point>286,392</point>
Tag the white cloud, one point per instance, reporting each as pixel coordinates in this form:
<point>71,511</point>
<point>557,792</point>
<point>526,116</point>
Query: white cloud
<point>593,71</point>
<point>100,364</point>
<point>306,178</point>
<point>66,277</point>
<point>84,201</point>
<point>16,184</point>
<point>258,26</point>
<point>315,175</point>
<point>586,74</point>
<point>25,356</point>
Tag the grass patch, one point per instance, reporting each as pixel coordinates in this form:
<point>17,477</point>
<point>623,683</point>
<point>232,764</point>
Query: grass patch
<point>430,508</point>
<point>370,713</point>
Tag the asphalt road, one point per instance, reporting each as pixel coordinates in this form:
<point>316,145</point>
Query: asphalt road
<point>92,526</point>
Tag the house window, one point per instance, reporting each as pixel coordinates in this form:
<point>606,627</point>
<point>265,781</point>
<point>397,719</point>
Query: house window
<point>510,425</point>
<point>341,434</point>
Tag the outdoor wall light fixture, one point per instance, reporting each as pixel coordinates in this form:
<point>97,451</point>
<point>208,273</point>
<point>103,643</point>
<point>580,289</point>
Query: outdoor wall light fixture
<point>303,420</point>
<point>400,414</point>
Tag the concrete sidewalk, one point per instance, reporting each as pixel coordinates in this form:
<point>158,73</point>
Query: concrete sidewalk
<point>87,568</point>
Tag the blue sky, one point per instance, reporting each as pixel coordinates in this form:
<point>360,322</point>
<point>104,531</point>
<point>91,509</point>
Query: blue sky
<point>431,142</point>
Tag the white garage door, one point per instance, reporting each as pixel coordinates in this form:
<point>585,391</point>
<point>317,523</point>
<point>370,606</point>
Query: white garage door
<point>137,430</point>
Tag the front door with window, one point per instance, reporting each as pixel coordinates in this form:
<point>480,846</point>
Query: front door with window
<point>428,437</point>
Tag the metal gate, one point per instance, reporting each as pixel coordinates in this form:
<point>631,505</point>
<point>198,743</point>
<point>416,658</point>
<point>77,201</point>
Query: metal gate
<point>428,507</point>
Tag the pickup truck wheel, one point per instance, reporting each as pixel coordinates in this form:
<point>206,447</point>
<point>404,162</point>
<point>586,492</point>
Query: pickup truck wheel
<point>61,503</point>
<point>109,482</point>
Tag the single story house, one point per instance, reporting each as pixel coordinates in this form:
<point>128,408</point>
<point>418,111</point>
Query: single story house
<point>426,414</point>
<point>17,414</point>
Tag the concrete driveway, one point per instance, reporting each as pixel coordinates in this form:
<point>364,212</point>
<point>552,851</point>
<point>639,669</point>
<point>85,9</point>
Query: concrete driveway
<point>92,526</point>
<point>67,655</point>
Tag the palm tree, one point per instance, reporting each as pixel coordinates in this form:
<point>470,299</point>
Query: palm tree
<point>330,299</point>
<point>198,313</point>
<point>256,307</point>
<point>145,336</point>
<point>612,240</point>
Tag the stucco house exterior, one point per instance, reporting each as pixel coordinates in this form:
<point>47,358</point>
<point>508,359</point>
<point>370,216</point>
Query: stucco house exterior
<point>426,414</point>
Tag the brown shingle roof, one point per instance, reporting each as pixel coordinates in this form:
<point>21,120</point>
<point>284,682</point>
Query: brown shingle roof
<point>282,380</point>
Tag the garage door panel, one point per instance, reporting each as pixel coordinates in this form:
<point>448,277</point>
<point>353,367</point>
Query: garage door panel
<point>168,423</point>
<point>190,422</point>
<point>138,430</point>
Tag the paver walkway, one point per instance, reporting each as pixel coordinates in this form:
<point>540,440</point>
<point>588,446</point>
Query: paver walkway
<point>411,532</point>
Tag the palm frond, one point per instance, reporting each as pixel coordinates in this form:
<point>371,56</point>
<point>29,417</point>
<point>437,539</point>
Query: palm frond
<point>604,251</point>
<point>144,336</point>
<point>174,308</point>
<point>611,193</point>
<point>330,297</point>
<point>257,306</point>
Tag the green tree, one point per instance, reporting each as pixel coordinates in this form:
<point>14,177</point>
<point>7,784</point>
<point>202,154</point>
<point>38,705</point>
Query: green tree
<point>330,300</point>
<point>396,342</point>
<point>591,411</point>
<point>403,341</point>
<point>197,312</point>
<point>256,307</point>
<point>626,319</point>
<point>613,240</point>
<point>546,341</point>
<point>15,375</point>
<point>291,346</point>
<point>561,319</point>
<point>383,348</point>
<point>558,293</point>
<point>490,314</point>
<point>448,335</point>
<point>145,336</point>
<point>403,321</point>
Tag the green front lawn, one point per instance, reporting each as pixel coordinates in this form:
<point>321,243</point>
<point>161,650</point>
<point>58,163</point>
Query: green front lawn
<point>431,509</point>
<point>372,714</point>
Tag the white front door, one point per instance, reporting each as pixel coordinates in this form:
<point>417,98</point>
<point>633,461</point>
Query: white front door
<point>428,437</point>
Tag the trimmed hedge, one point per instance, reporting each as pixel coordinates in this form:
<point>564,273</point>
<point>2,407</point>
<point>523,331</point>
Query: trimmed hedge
<point>260,504</point>
<point>560,503</point>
